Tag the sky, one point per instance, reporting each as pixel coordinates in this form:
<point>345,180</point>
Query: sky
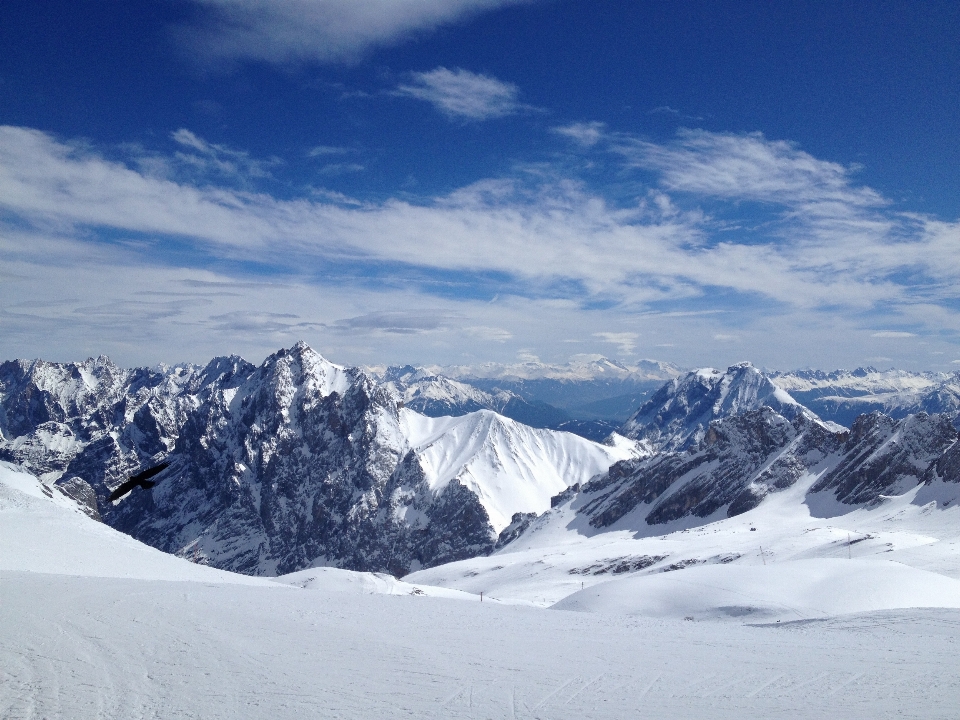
<point>463,181</point>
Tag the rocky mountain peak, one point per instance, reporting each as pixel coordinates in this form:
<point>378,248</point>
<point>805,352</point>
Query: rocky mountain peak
<point>678,415</point>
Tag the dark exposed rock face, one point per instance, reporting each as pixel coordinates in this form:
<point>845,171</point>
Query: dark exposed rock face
<point>739,461</point>
<point>79,491</point>
<point>303,461</point>
<point>946,468</point>
<point>271,468</point>
<point>883,456</point>
<point>518,525</point>
<point>678,415</point>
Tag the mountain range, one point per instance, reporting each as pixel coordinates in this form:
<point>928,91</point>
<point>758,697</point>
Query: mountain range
<point>295,463</point>
<point>300,462</point>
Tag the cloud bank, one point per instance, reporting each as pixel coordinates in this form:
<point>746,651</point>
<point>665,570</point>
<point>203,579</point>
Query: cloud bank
<point>495,264</point>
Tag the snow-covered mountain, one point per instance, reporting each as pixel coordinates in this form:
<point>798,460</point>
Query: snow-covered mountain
<point>510,467</point>
<point>279,467</point>
<point>757,490</point>
<point>842,395</point>
<point>743,458</point>
<point>679,413</point>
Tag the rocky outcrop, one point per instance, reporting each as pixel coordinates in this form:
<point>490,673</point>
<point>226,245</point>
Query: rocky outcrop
<point>737,463</point>
<point>883,456</point>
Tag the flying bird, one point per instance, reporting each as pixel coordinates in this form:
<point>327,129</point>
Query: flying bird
<point>142,479</point>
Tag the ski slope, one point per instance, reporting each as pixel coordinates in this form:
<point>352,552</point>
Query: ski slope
<point>96,625</point>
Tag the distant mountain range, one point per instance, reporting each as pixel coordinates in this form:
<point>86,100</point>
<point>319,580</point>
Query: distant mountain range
<point>842,395</point>
<point>590,397</point>
<point>300,462</point>
<point>594,396</point>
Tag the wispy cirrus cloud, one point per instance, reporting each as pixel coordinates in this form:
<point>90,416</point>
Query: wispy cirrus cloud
<point>207,157</point>
<point>554,232</point>
<point>625,341</point>
<point>463,94</point>
<point>295,31</point>
<point>746,167</point>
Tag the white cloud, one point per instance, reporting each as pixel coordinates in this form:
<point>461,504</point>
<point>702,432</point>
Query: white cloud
<point>285,31</point>
<point>892,334</point>
<point>461,93</point>
<point>206,157</point>
<point>587,134</point>
<point>327,150</point>
<point>491,334</point>
<point>748,167</point>
<point>557,250</point>
<point>625,341</point>
<point>556,232</point>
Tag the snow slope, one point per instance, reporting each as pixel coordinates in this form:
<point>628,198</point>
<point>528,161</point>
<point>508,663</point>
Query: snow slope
<point>792,590</point>
<point>44,531</point>
<point>105,634</point>
<point>561,552</point>
<point>511,467</point>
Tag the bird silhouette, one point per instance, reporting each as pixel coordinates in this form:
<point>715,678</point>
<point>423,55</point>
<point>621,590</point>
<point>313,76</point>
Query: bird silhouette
<point>140,479</point>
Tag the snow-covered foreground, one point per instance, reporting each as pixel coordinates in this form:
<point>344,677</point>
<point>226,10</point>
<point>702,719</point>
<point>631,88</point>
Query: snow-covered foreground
<point>76,647</point>
<point>96,625</point>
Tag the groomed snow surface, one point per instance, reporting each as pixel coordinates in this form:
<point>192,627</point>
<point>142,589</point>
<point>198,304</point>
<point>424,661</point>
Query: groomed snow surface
<point>95,625</point>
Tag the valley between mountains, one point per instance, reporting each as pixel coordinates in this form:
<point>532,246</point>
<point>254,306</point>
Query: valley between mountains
<point>345,523</point>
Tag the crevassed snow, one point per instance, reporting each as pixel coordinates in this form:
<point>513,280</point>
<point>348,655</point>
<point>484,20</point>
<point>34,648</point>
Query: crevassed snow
<point>511,467</point>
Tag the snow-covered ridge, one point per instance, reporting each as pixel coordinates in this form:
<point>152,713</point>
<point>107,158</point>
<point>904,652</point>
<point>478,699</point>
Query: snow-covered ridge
<point>511,467</point>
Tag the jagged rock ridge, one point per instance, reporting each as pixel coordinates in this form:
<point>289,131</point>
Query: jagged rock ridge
<point>272,468</point>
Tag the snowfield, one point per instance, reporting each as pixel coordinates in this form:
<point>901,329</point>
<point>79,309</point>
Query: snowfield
<point>94,624</point>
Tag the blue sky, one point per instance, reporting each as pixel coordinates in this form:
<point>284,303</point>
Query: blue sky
<point>456,181</point>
